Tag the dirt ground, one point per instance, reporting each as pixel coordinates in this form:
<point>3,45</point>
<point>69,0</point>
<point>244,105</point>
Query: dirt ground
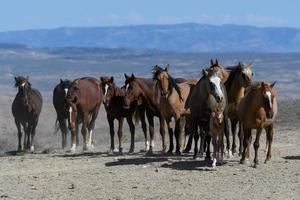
<point>51,173</point>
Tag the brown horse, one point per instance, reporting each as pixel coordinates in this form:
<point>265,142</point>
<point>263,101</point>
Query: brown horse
<point>59,95</point>
<point>257,110</point>
<point>173,103</point>
<point>146,91</point>
<point>26,109</point>
<point>113,102</point>
<point>208,93</point>
<point>84,100</point>
<point>216,131</point>
<point>240,77</point>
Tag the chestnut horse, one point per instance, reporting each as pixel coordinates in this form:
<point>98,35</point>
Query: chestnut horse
<point>240,77</point>
<point>257,110</point>
<point>84,100</point>
<point>173,103</point>
<point>208,93</point>
<point>113,103</point>
<point>26,109</point>
<point>145,90</point>
<point>59,95</point>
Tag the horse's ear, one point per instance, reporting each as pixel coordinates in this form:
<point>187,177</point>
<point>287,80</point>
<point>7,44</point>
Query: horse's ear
<point>250,64</point>
<point>111,79</point>
<point>101,79</point>
<point>217,62</point>
<point>76,82</point>
<point>16,79</point>
<point>204,72</point>
<point>61,81</point>
<point>167,68</point>
<point>273,84</point>
<point>211,62</point>
<point>132,76</point>
<point>126,76</point>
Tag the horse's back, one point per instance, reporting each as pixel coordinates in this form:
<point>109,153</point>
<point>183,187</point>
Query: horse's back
<point>90,91</point>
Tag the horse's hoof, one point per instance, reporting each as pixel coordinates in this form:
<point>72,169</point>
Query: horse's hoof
<point>267,160</point>
<point>244,161</point>
<point>178,153</point>
<point>186,151</point>
<point>170,152</point>
<point>207,158</point>
<point>131,151</point>
<point>149,153</point>
<point>229,154</point>
<point>110,152</point>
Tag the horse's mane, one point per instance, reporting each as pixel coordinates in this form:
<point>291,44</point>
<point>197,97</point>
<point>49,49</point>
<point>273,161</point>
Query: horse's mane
<point>254,86</point>
<point>156,71</point>
<point>233,70</point>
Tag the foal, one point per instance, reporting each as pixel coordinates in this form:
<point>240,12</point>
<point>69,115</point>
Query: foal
<point>216,130</point>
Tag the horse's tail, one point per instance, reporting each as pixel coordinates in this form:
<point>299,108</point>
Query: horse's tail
<point>56,126</point>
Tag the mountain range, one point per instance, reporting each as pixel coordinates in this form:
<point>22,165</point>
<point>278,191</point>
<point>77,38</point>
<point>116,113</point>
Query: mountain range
<point>188,37</point>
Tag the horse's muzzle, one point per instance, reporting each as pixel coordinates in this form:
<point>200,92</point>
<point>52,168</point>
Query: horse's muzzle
<point>219,99</point>
<point>270,114</point>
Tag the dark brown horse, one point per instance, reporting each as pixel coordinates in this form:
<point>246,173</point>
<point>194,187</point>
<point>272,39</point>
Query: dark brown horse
<point>59,102</point>
<point>207,94</point>
<point>145,90</point>
<point>173,103</point>
<point>113,101</point>
<point>257,110</point>
<point>84,100</point>
<point>26,109</point>
<point>240,77</point>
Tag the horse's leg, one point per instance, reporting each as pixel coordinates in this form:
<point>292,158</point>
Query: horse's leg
<point>215,149</point>
<point>176,133</point>
<point>162,133</point>
<point>190,135</point>
<point>194,131</point>
<point>208,138</point>
<point>221,147</point>
<point>256,145</point>
<point>92,126</point>
<point>32,133</point>
<point>24,124</point>
<point>144,128</point>
<point>150,117</point>
<point>241,137</point>
<point>170,130</point>
<point>270,132</point>
<point>84,130</point>
<point>18,124</point>
<point>182,122</point>
<point>64,131</point>
<point>226,130</point>
<point>112,134</point>
<point>132,133</point>
<point>233,131</point>
<point>120,134</point>
<point>29,129</point>
<point>202,141</point>
<point>246,145</point>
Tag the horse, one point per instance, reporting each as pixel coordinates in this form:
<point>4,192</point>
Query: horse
<point>207,93</point>
<point>173,103</point>
<point>26,109</point>
<point>216,131</point>
<point>145,91</point>
<point>113,102</point>
<point>240,77</point>
<point>258,110</point>
<point>83,100</point>
<point>59,94</point>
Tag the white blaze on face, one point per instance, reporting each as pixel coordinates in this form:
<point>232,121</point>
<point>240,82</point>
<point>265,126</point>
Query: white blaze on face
<point>247,71</point>
<point>269,95</point>
<point>106,88</point>
<point>23,84</point>
<point>66,91</point>
<point>126,87</point>
<point>217,82</point>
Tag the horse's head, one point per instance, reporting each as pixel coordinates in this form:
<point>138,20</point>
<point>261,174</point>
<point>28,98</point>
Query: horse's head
<point>215,76</point>
<point>72,100</point>
<point>133,91</point>
<point>162,77</point>
<point>24,86</point>
<point>108,88</point>
<point>268,95</point>
<point>65,85</point>
<point>217,115</point>
<point>245,74</point>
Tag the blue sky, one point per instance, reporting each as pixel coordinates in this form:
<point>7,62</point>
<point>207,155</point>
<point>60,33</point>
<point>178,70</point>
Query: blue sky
<point>35,14</point>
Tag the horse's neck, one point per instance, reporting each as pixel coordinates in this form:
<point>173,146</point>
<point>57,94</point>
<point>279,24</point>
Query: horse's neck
<point>236,92</point>
<point>149,91</point>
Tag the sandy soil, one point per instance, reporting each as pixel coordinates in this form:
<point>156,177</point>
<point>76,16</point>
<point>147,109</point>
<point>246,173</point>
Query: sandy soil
<point>52,173</point>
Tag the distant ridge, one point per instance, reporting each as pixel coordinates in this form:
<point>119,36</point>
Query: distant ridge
<point>189,37</point>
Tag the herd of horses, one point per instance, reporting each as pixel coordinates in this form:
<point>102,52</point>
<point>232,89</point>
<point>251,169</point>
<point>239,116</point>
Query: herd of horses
<point>195,108</point>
